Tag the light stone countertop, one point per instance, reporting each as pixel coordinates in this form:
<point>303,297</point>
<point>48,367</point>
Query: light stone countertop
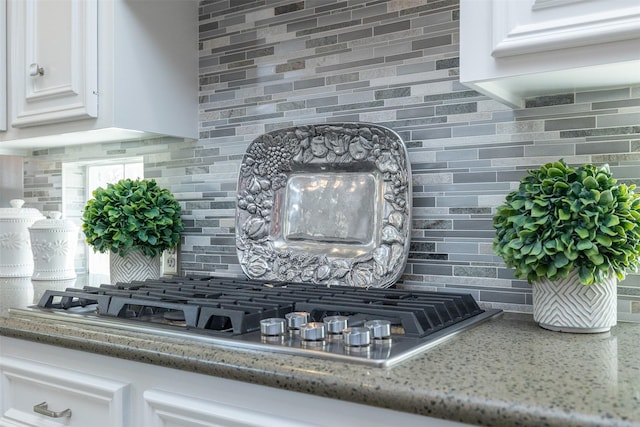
<point>504,372</point>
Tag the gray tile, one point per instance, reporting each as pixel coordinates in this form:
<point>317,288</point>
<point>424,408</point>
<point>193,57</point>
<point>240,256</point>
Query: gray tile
<point>232,58</point>
<point>343,78</point>
<point>288,106</point>
<point>369,11</point>
<point>445,110</point>
<point>626,130</point>
<point>470,211</point>
<point>559,150</point>
<point>456,202</point>
<point>322,102</point>
<point>624,103</point>
<point>572,123</point>
<point>352,86</point>
<point>435,133</point>
<point>347,65</point>
<point>421,67</point>
<point>277,88</point>
<point>474,271</point>
<point>306,84</point>
<point>288,8</point>
<point>603,147</point>
<point>432,42</point>
<point>474,130</point>
<point>422,246</point>
<point>355,106</point>
<point>544,101</point>
<point>401,57</point>
<point>329,6</point>
<point>391,28</point>
<point>336,17</point>
<point>447,63</point>
<point>474,177</point>
<point>448,155</point>
<point>322,41</point>
<point>503,296</point>
<point>453,95</point>
<point>433,269</point>
<point>355,35</point>
<point>456,247</point>
<point>330,27</point>
<point>302,25</point>
<point>475,224</point>
<point>415,112</point>
<point>613,120</point>
<point>424,202</point>
<point>603,95</point>
<point>497,153</point>
<point>399,92</point>
<point>290,66</point>
<point>257,53</point>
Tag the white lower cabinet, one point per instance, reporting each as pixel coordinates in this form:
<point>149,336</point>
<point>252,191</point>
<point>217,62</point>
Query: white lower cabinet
<point>40,395</point>
<point>107,391</point>
<point>167,409</point>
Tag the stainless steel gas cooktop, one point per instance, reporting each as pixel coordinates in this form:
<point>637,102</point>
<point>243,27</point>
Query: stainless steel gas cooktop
<point>378,327</point>
<point>323,224</point>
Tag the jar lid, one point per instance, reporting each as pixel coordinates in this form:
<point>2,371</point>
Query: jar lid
<point>16,211</point>
<point>54,222</point>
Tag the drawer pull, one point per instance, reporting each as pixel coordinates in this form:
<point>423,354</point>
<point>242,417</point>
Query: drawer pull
<point>43,409</point>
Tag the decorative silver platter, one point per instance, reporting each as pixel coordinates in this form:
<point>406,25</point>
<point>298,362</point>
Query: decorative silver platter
<point>326,204</point>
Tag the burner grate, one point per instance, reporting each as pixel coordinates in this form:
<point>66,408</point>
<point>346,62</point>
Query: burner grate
<point>236,307</point>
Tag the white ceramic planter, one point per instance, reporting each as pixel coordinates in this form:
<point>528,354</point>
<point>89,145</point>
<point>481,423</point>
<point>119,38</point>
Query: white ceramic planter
<point>53,242</point>
<point>16,259</point>
<point>133,266</point>
<point>569,306</point>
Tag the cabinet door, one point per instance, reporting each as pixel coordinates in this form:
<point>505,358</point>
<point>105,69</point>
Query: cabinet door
<point>3,65</point>
<point>53,60</point>
<point>512,50</point>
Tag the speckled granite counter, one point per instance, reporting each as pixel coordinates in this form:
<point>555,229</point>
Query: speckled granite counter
<point>505,372</point>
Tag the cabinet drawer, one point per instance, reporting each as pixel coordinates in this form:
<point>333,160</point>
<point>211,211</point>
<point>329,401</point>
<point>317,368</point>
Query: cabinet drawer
<point>92,401</point>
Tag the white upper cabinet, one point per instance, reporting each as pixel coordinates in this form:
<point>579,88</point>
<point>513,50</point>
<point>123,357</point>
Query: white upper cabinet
<point>3,65</point>
<point>54,61</point>
<point>514,49</point>
<point>82,71</point>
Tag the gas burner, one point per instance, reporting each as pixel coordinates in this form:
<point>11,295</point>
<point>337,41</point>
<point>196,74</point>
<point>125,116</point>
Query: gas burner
<point>379,327</point>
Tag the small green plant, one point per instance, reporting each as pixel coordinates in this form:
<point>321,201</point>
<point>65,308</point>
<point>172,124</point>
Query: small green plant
<point>563,218</point>
<point>132,215</point>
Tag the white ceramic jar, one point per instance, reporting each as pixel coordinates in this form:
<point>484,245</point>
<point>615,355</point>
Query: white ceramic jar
<point>53,242</point>
<point>15,292</point>
<point>16,259</point>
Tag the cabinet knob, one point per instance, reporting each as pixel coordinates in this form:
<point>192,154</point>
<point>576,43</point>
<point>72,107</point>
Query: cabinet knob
<point>43,409</point>
<point>36,70</point>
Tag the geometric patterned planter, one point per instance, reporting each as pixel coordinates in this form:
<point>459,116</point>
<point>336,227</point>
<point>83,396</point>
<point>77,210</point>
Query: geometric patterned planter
<point>134,266</point>
<point>567,305</point>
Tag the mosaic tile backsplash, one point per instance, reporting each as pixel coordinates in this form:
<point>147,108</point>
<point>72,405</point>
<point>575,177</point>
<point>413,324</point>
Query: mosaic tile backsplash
<point>268,65</point>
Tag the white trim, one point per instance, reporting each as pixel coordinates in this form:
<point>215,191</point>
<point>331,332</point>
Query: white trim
<point>515,35</point>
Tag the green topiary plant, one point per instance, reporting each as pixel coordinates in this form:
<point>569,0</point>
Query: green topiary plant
<point>132,215</point>
<point>563,218</point>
